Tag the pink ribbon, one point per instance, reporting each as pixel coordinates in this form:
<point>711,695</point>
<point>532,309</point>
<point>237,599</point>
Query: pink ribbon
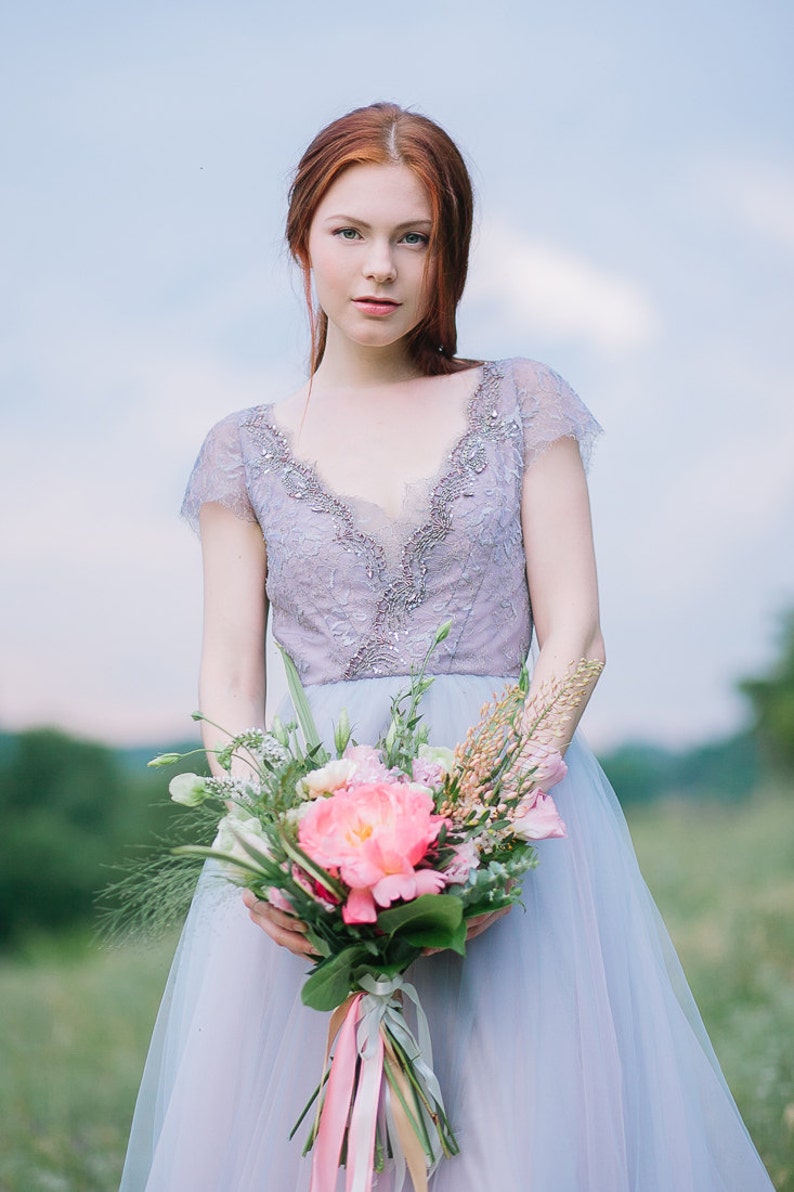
<point>353,1096</point>
<point>336,1106</point>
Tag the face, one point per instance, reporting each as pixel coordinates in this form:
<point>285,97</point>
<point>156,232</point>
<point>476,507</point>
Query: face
<point>368,247</point>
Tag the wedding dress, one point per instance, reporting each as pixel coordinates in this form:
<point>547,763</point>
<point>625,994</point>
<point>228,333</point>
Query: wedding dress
<point>570,1052</point>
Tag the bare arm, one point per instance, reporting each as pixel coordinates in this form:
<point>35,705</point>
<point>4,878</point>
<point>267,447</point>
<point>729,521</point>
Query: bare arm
<point>560,560</point>
<point>561,573</point>
<point>232,677</point>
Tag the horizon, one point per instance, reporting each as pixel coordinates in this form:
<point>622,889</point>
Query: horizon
<point>635,182</point>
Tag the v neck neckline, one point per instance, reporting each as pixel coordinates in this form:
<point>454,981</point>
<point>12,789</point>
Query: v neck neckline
<point>351,502</point>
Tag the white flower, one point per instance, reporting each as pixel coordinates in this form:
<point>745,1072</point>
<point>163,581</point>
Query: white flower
<point>327,779</point>
<point>235,830</point>
<point>188,789</point>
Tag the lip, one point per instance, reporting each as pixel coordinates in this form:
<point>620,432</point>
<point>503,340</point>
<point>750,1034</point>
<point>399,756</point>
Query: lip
<point>379,307</point>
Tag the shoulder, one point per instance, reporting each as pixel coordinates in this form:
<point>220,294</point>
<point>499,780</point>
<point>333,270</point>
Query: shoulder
<point>219,474</point>
<point>530,376</point>
<point>229,428</point>
<point>548,407</point>
<point>233,438</point>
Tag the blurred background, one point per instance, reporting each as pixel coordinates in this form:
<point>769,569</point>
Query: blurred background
<point>635,176</point>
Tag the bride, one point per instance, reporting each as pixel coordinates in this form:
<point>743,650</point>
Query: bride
<point>404,485</point>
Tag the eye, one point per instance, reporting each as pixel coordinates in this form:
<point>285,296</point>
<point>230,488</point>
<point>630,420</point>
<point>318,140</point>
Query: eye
<point>416,239</point>
<point>347,234</point>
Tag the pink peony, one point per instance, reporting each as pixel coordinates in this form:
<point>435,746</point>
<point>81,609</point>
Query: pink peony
<point>374,835</point>
<point>537,818</point>
<point>547,764</point>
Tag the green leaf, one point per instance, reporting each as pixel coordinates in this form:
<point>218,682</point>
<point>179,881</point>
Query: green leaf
<point>330,982</point>
<point>300,702</point>
<point>454,938</point>
<point>296,853</point>
<point>197,850</point>
<point>430,912</point>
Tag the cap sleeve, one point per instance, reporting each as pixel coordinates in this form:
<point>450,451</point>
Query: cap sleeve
<point>219,474</point>
<point>551,410</point>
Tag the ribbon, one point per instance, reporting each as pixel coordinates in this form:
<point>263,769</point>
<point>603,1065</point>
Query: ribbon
<point>370,1032</point>
<point>335,1107</point>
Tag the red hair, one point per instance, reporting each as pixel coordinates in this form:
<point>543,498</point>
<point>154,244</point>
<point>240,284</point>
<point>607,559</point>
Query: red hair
<point>385,134</point>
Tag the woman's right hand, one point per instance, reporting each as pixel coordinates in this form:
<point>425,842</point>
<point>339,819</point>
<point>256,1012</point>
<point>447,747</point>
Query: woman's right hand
<point>286,930</point>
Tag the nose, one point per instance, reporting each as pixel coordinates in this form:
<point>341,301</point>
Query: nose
<point>379,264</point>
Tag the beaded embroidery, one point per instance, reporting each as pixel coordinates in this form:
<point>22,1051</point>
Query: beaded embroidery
<point>302,483</point>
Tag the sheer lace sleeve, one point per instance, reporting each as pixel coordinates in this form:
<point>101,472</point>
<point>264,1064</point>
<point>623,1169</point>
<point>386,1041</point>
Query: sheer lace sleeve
<point>219,474</point>
<point>550,410</point>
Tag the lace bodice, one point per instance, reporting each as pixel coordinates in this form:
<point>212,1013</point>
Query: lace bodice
<point>355,593</point>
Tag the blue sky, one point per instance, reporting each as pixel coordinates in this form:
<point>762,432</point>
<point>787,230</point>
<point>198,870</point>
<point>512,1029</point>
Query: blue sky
<point>635,175</point>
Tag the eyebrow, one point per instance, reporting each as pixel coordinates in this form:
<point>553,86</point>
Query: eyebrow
<point>362,223</point>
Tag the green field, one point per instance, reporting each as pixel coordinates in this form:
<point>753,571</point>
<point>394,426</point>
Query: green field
<point>76,1020</point>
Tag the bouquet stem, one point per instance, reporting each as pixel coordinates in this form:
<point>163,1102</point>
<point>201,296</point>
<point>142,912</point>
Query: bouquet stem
<point>379,1073</point>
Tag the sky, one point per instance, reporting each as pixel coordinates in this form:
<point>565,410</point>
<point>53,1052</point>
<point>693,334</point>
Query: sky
<point>634,168</point>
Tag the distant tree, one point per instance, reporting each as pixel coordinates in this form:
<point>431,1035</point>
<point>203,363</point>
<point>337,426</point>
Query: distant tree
<point>772,699</point>
<point>69,810</point>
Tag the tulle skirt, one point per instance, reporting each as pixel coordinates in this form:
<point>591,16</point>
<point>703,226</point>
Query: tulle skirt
<point>570,1052</point>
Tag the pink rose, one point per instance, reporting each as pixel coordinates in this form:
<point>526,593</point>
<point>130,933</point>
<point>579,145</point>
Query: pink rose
<point>546,763</point>
<point>367,764</point>
<point>279,900</point>
<point>465,859</point>
<point>537,818</point>
<point>314,889</point>
<point>374,835</point>
<point>432,764</point>
<point>427,773</point>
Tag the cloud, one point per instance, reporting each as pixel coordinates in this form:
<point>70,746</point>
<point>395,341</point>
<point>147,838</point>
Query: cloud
<point>759,195</point>
<point>767,204</point>
<point>713,517</point>
<point>541,289</point>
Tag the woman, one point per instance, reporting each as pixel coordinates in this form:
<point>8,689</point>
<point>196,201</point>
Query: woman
<point>400,487</point>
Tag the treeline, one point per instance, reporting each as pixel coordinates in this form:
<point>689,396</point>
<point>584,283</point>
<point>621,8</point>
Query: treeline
<point>71,810</point>
<point>723,770</point>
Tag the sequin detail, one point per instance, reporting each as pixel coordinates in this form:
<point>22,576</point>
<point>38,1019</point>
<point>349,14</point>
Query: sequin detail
<point>406,592</point>
<point>354,592</point>
<point>302,483</point>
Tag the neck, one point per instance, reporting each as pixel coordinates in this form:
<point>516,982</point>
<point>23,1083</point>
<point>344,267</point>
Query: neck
<point>356,366</point>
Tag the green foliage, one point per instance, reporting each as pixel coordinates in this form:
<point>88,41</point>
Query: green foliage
<point>69,810</point>
<point>724,770</point>
<point>772,699</point>
<point>87,1015</point>
<point>723,879</point>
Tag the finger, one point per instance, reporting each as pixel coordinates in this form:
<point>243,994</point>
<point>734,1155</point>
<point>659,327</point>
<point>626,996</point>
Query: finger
<point>481,923</point>
<point>284,929</point>
<point>260,909</point>
<point>298,944</point>
<point>286,937</point>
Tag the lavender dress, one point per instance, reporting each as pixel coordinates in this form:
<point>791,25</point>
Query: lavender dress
<point>571,1054</point>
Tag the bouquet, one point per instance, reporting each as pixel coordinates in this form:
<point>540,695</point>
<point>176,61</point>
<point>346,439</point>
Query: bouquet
<point>384,850</point>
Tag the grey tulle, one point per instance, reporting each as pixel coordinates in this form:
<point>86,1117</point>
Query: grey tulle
<point>569,1049</point>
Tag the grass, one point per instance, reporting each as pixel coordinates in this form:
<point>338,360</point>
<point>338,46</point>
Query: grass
<point>723,876</point>
<point>76,1019</point>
